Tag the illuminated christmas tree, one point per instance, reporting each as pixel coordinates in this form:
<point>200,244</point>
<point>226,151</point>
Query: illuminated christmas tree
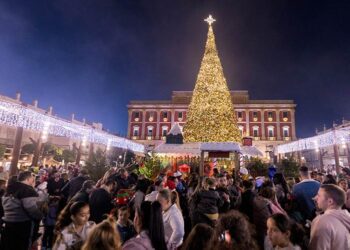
<point>210,116</point>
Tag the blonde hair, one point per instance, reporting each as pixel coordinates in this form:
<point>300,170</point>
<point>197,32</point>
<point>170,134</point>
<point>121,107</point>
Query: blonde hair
<point>103,236</point>
<point>171,196</point>
<point>175,199</point>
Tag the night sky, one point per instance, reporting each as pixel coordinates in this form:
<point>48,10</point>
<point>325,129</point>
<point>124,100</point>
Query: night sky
<point>92,57</point>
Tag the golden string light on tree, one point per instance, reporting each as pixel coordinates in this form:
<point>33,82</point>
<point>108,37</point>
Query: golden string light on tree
<point>210,115</point>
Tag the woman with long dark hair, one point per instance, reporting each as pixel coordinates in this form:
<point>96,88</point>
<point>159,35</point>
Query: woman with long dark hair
<point>285,234</point>
<point>148,223</point>
<point>282,189</point>
<point>233,232</point>
<point>73,227</point>
<point>198,238</point>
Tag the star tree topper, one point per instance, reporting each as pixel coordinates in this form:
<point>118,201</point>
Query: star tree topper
<point>210,20</point>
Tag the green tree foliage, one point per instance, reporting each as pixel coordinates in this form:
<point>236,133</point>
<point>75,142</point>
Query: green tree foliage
<point>64,154</point>
<point>69,155</point>
<point>129,157</point>
<point>97,165</point>
<point>151,167</point>
<point>49,150</point>
<point>210,116</point>
<point>257,167</point>
<point>289,167</point>
<point>28,149</point>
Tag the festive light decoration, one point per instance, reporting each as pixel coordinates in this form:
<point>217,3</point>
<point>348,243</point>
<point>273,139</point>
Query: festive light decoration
<point>44,133</point>
<point>16,115</point>
<point>108,144</point>
<point>339,136</point>
<point>210,114</point>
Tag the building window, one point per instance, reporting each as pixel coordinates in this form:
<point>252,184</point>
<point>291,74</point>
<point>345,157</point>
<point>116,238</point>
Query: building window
<point>240,114</point>
<point>241,128</point>
<point>255,114</point>
<point>180,115</point>
<point>136,131</point>
<point>285,114</point>
<point>255,131</point>
<point>150,131</point>
<point>151,116</point>
<point>164,130</point>
<point>269,114</point>
<point>270,131</point>
<point>165,114</point>
<point>137,116</point>
<point>285,131</point>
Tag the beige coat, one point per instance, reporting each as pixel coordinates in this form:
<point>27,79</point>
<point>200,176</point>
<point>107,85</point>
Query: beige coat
<point>331,230</point>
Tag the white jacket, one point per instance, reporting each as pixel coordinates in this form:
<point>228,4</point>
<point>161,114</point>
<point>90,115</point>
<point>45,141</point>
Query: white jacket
<point>174,228</point>
<point>69,237</point>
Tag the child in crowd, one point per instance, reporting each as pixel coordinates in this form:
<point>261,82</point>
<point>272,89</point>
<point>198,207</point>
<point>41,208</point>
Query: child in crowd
<point>49,222</point>
<point>124,224</point>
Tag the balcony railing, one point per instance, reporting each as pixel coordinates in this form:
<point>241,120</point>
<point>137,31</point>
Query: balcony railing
<point>272,138</point>
<point>149,137</point>
<point>286,138</point>
<point>256,138</point>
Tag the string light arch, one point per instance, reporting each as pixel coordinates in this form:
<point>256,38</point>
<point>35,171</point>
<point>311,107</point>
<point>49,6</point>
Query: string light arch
<point>17,115</point>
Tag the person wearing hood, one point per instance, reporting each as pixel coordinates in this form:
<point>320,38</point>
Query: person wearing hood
<point>21,212</point>
<point>330,230</point>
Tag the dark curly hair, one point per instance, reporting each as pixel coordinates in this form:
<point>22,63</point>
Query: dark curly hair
<point>236,225</point>
<point>198,238</point>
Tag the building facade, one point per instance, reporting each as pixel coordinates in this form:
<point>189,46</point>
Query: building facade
<point>268,122</point>
<point>328,158</point>
<point>8,133</point>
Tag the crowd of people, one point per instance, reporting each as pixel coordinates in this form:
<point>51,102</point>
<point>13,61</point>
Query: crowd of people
<point>62,208</point>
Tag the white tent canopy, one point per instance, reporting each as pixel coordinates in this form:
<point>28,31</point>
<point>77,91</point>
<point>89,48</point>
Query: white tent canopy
<point>191,149</point>
<point>251,151</point>
<point>175,129</point>
<point>220,146</point>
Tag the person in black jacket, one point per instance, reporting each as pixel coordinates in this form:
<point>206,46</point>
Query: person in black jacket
<point>2,193</point>
<point>101,201</point>
<point>207,203</point>
<point>85,191</point>
<point>223,192</point>
<point>123,179</point>
<point>20,213</point>
<point>75,184</point>
<point>54,185</point>
<point>248,196</point>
